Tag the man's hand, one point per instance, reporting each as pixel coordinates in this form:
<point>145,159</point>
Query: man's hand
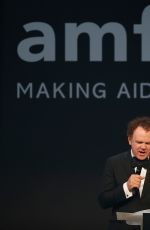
<point>134,181</point>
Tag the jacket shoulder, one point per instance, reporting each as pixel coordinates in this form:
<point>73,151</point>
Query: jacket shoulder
<point>119,157</point>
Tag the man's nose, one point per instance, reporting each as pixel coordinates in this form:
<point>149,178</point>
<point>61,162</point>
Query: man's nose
<point>143,145</point>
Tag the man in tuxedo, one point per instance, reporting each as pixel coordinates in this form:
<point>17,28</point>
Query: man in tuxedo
<point>123,188</point>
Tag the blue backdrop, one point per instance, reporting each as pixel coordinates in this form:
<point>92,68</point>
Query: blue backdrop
<point>71,79</point>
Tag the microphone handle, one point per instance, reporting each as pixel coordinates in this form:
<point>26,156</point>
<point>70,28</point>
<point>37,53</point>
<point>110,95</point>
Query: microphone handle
<point>138,172</point>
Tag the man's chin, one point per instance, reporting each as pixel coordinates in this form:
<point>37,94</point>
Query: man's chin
<point>142,157</point>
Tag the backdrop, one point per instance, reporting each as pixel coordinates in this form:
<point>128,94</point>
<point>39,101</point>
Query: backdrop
<point>71,79</point>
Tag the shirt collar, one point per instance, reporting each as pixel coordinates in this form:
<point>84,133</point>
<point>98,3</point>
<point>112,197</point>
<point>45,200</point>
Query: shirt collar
<point>132,155</point>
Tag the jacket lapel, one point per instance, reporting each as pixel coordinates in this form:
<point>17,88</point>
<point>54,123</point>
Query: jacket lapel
<point>128,163</point>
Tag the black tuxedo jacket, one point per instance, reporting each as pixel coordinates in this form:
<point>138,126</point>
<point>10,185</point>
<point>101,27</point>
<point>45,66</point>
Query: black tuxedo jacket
<point>117,171</point>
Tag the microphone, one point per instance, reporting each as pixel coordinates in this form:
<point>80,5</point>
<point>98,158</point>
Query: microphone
<point>138,172</point>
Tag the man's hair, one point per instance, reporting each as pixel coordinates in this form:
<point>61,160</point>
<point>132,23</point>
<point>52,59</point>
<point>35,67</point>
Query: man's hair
<point>143,122</point>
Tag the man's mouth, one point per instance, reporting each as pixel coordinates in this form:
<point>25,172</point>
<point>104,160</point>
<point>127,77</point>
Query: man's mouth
<point>142,153</point>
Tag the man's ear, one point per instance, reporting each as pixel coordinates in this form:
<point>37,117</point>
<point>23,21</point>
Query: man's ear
<point>129,140</point>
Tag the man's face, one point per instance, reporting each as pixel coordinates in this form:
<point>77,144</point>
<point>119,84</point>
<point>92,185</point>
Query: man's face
<point>140,143</point>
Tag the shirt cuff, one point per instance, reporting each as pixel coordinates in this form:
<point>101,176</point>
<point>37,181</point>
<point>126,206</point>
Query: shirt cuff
<point>128,194</point>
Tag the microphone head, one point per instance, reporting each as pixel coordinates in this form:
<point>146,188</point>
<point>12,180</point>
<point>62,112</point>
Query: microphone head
<point>138,169</point>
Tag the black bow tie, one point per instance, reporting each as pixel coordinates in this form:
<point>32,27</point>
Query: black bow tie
<point>142,163</point>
